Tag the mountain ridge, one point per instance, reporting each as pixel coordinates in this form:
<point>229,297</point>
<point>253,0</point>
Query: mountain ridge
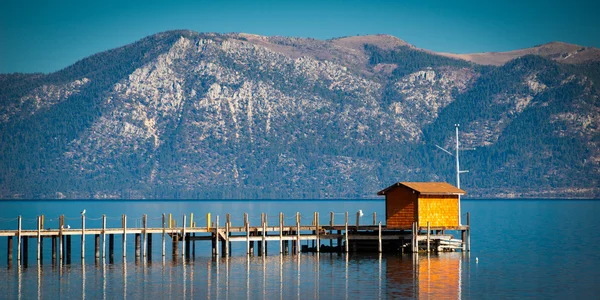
<point>202,115</point>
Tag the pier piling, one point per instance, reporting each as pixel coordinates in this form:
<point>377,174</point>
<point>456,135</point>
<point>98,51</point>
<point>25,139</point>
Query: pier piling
<point>227,228</point>
<point>149,253</point>
<point>25,251</point>
<point>61,241</point>
<point>82,237</point>
<point>103,236</point>
<point>184,250</point>
<point>379,246</point>
<point>111,247</point>
<point>428,236</point>
<point>468,232</point>
<point>163,234</point>
<point>19,240</point>
<point>68,249</point>
<point>124,223</point>
<point>97,246</point>
<point>9,251</point>
<point>346,233</point>
<point>187,244</point>
<point>145,223</point>
<point>138,238</point>
<point>54,250</point>
<point>39,238</point>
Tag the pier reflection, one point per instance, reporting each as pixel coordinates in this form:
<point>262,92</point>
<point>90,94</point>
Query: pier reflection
<point>305,276</point>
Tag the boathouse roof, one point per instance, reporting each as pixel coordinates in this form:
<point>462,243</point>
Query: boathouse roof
<point>426,188</point>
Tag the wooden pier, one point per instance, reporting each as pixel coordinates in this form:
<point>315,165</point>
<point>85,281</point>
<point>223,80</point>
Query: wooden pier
<point>330,237</point>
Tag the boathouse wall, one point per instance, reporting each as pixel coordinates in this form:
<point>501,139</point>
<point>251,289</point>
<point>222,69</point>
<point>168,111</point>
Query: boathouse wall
<point>400,208</point>
<point>438,210</point>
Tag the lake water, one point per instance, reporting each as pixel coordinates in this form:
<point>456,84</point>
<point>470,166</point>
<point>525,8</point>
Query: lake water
<point>525,249</point>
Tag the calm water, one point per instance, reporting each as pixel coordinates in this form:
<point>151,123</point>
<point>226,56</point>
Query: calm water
<point>541,249</point>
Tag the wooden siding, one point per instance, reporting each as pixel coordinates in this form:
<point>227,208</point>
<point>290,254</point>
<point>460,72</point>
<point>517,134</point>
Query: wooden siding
<point>400,208</point>
<point>439,210</point>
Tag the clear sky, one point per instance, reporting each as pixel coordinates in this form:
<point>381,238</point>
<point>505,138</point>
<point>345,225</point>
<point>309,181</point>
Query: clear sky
<point>45,36</point>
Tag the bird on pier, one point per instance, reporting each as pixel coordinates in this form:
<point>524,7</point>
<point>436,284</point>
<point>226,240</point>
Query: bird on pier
<point>83,212</point>
<point>360,213</point>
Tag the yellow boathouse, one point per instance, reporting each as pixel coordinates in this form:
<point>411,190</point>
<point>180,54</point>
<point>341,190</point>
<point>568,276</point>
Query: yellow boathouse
<point>435,202</point>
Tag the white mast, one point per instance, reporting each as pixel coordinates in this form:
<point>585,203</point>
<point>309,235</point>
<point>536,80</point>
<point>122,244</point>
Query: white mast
<point>458,170</point>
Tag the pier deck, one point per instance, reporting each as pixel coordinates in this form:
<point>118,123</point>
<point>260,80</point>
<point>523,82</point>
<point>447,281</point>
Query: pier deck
<point>373,237</point>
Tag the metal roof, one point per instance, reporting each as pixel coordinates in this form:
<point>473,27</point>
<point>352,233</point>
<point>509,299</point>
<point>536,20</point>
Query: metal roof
<point>426,188</point>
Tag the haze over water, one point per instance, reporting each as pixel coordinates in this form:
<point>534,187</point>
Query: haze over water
<point>525,248</point>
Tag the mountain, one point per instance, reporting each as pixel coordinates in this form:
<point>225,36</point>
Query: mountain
<point>557,51</point>
<point>182,114</point>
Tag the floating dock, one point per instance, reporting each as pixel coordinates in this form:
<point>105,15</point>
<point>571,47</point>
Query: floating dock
<point>330,237</point>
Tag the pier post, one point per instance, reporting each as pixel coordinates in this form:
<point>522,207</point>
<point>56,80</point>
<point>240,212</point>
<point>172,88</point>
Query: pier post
<point>318,232</point>
<point>374,218</point>
<point>280,232</point>
<point>39,238</point>
<point>380,246</point>
<point>208,219</point>
<point>42,246</point>
<point>145,248</point>
<point>213,243</point>
<point>149,253</point>
<point>175,245</point>
<point>53,250</point>
<point>260,243</point>
<point>468,232</point>
<point>357,220</point>
<point>227,225</point>
<point>217,235</point>
<point>187,244</point>
<point>103,236</point>
<point>138,238</point>
<point>9,248</point>
<point>263,251</point>
<point>346,233</point>
<point>124,222</point>
<point>97,246</point>
<point>247,226</point>
<point>262,222</point>
<point>69,249</point>
<point>331,228</point>
<point>163,234</point>
<point>111,247</point>
<point>183,236</point>
<point>82,237</point>
<point>19,240</point>
<point>25,251</point>
<point>61,225</point>
<point>297,233</point>
<point>412,237</point>
<point>428,236</point>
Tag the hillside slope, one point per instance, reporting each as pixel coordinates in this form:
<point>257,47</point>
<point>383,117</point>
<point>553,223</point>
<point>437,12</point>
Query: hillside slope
<point>198,115</point>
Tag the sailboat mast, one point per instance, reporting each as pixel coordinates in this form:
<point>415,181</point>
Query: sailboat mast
<point>457,163</point>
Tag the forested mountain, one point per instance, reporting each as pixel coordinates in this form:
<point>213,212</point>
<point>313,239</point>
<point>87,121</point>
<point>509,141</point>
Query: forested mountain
<point>182,114</point>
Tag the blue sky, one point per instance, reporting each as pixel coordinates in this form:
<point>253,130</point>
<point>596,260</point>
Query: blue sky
<point>43,36</point>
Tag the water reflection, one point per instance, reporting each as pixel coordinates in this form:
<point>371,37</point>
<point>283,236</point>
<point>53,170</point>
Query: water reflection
<point>305,276</point>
